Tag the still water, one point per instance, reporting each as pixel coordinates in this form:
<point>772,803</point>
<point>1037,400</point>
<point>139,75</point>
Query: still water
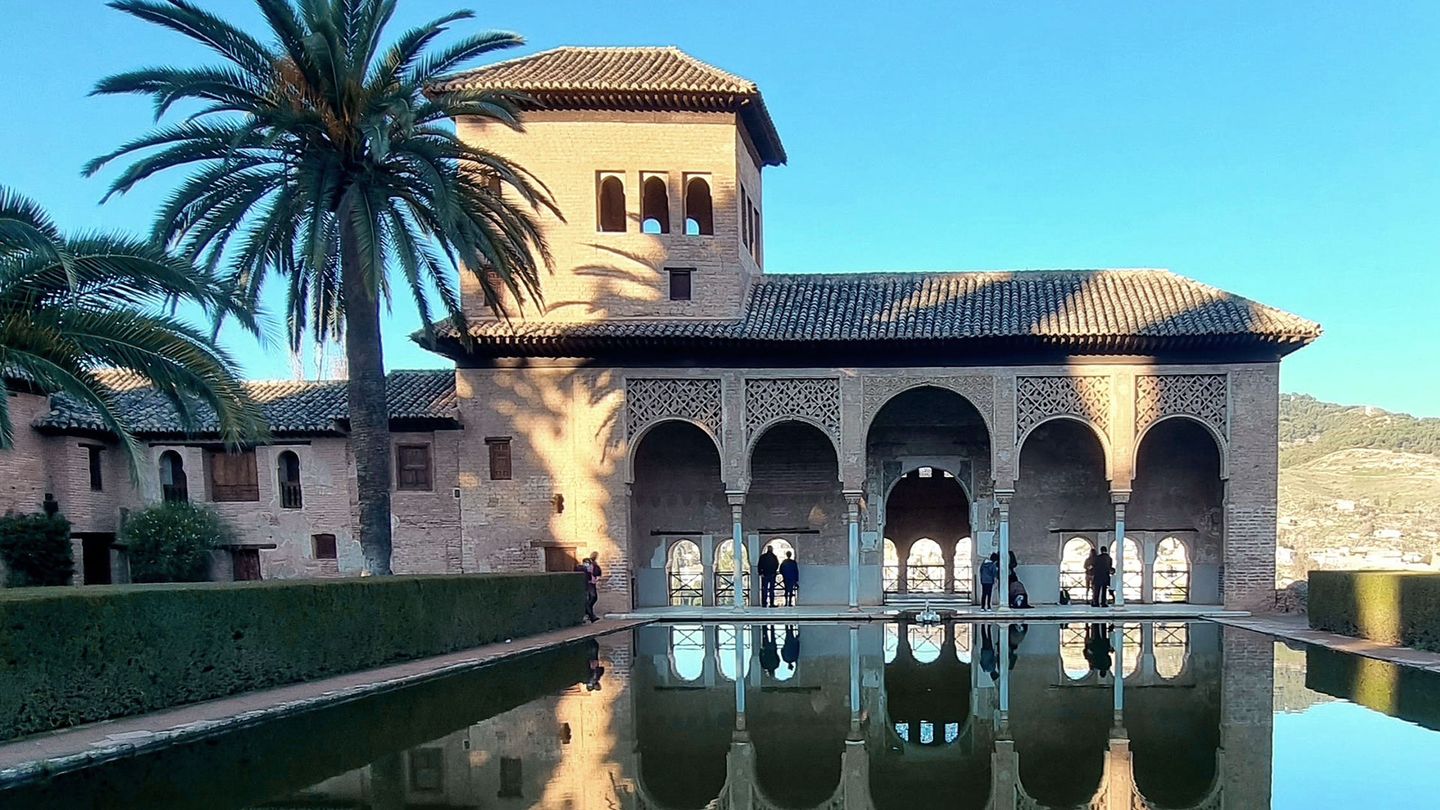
<point>833,716</point>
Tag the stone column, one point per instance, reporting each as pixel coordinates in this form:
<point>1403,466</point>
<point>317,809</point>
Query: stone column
<point>1149,549</point>
<point>707,566</point>
<point>737,537</point>
<point>852,518</point>
<point>1002,499</point>
<point>1120,499</point>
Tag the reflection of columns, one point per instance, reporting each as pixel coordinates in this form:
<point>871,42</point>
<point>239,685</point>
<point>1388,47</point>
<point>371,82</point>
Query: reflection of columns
<point>1002,498</point>
<point>1119,787</point>
<point>710,634</point>
<point>739,677</point>
<point>852,517</point>
<point>737,536</point>
<point>1147,650</point>
<point>854,682</point>
<point>1117,640</point>
<point>1120,499</point>
<point>1004,632</point>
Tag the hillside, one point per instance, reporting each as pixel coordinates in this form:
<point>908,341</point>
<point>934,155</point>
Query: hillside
<point>1359,488</point>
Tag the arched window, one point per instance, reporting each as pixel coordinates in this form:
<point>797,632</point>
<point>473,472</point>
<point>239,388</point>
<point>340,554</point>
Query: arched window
<point>726,638</point>
<point>612,204</point>
<point>173,485</point>
<point>1171,641</point>
<point>892,642</point>
<point>687,651</point>
<point>699,212</point>
<point>654,206</point>
<point>890,571</point>
<point>926,641</point>
<point>965,566</point>
<point>725,572</point>
<point>925,567</point>
<point>685,574</point>
<point>1134,579</point>
<point>288,473</point>
<point>1072,651</point>
<point>1170,581</point>
<point>1072,568</point>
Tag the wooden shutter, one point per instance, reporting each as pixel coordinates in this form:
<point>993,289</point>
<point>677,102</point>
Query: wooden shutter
<point>233,476</point>
<point>412,466</point>
<point>500,466</point>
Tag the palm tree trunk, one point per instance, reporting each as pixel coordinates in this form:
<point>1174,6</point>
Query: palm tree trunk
<point>369,416</point>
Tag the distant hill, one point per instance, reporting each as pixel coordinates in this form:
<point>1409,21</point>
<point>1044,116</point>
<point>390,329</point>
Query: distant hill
<point>1310,429</point>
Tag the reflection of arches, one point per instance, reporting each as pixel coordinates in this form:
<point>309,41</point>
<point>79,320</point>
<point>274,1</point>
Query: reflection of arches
<point>699,210</point>
<point>925,642</point>
<point>1072,568</point>
<point>1170,577</point>
<point>685,573</point>
<point>1172,645</point>
<point>1133,644</point>
<point>727,638</point>
<point>725,572</point>
<point>654,206</point>
<point>611,204</point>
<point>687,651</point>
<point>1072,651</point>
<point>925,567</point>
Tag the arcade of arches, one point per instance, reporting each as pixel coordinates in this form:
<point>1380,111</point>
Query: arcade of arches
<point>929,494</point>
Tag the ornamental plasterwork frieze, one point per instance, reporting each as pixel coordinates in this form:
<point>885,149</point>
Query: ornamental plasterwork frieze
<point>1040,398</point>
<point>1202,396</point>
<point>978,389</point>
<point>815,399</point>
<point>650,400</point>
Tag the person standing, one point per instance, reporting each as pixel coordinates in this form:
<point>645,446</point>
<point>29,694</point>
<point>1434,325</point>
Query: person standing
<point>989,575</point>
<point>790,577</point>
<point>1090,572</point>
<point>590,567</point>
<point>769,566</point>
<point>1100,575</point>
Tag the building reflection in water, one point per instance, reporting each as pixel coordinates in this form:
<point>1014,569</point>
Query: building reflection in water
<point>873,715</point>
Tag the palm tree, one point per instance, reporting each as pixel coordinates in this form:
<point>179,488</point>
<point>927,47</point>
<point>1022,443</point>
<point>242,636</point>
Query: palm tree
<point>321,158</point>
<point>70,307</point>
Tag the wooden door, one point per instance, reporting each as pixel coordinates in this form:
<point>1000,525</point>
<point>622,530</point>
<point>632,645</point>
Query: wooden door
<point>95,562</point>
<point>247,564</point>
<point>560,558</point>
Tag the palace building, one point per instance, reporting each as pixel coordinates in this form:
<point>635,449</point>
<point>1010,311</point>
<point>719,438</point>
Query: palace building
<point>670,401</point>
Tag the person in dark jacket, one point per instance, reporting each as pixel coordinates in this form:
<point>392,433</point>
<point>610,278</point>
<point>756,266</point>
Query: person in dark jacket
<point>590,567</point>
<point>769,566</point>
<point>989,575</point>
<point>790,577</point>
<point>1100,574</point>
<point>790,649</point>
<point>769,651</point>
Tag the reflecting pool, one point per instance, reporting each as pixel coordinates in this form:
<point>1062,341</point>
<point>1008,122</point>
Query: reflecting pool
<point>1162,715</point>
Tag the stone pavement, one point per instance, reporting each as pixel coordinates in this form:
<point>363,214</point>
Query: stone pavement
<point>78,747</point>
<point>1165,612</point>
<point>1297,628</point>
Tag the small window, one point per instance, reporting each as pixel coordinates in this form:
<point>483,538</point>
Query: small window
<point>288,472</point>
<point>173,484</point>
<point>233,476</point>
<point>324,545</point>
<point>499,458</point>
<point>679,285</point>
<point>97,463</point>
<point>744,217</point>
<point>427,769</point>
<point>699,212</point>
<point>412,467</point>
<point>654,205</point>
<point>612,204</point>
<point>511,780</point>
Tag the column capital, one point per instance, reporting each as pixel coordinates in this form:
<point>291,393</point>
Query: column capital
<point>1119,497</point>
<point>1003,496</point>
<point>854,497</point>
<point>735,497</point>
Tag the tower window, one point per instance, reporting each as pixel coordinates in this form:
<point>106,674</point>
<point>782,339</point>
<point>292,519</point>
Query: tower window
<point>500,458</point>
<point>744,217</point>
<point>655,205</point>
<point>612,203</point>
<point>96,458</point>
<point>699,212</point>
<point>679,285</point>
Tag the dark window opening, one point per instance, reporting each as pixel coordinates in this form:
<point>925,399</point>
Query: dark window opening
<point>427,769</point>
<point>233,476</point>
<point>680,289</point>
<point>173,483</point>
<point>612,204</point>
<point>97,463</point>
<point>412,467</point>
<point>745,217</point>
<point>511,781</point>
<point>699,212</point>
<point>95,559</point>
<point>324,545</point>
<point>654,206</point>
<point>560,559</point>
<point>289,473</point>
<point>500,459</point>
<point>247,564</point>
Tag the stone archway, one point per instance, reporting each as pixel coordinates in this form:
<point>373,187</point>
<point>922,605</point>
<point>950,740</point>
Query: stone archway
<point>1178,493</point>
<point>677,494</point>
<point>795,493</point>
<point>1061,493</point>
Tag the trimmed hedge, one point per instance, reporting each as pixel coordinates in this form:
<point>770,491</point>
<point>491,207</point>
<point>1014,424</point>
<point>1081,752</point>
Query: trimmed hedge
<point>89,654</point>
<point>1393,607</point>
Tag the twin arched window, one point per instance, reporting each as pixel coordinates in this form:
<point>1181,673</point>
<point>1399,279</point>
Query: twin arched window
<point>655,205</point>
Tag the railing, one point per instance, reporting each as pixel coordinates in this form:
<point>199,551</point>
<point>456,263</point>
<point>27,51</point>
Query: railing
<point>686,588</point>
<point>290,497</point>
<point>174,493</point>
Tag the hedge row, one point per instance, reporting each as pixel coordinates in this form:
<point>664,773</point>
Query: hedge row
<point>1393,607</point>
<point>77,655</point>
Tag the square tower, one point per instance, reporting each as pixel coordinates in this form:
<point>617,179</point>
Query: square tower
<point>654,161</point>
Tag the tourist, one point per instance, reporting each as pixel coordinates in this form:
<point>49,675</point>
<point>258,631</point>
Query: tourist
<point>989,575</point>
<point>790,650</point>
<point>1090,571</point>
<point>590,567</point>
<point>790,577</point>
<point>989,662</point>
<point>769,654</point>
<point>596,670</point>
<point>769,567</point>
<point>1097,647</point>
<point>1100,578</point>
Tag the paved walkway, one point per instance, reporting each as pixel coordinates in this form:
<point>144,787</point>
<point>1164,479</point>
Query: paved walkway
<point>67,749</point>
<point>1297,628</point>
<point>973,614</point>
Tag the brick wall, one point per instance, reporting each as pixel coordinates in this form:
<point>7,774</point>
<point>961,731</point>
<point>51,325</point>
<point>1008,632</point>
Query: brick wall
<point>24,479</point>
<point>1248,578</point>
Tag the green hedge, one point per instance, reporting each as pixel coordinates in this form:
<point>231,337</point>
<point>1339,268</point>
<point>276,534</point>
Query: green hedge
<point>1393,607</point>
<point>93,653</point>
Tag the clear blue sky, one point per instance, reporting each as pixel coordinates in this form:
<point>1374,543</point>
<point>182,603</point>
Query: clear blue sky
<point>1287,152</point>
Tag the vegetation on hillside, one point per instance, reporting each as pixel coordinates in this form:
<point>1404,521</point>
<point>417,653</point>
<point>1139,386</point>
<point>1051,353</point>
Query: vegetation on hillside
<point>1310,429</point>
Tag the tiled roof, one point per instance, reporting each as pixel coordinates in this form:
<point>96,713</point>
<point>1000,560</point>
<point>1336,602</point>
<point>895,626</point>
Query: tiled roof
<point>658,78</point>
<point>290,406</point>
<point>1090,310</point>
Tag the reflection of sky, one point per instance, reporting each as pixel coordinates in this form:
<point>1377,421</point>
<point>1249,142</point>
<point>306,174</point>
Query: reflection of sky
<point>1343,755</point>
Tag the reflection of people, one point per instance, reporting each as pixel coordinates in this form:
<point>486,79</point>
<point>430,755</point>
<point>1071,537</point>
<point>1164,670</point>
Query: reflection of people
<point>1017,635</point>
<point>596,671</point>
<point>790,577</point>
<point>769,655</point>
<point>989,661</point>
<point>1100,574</point>
<point>1097,647</point>
<point>590,567</point>
<point>989,575</point>
<point>769,565</point>
<point>790,651</point>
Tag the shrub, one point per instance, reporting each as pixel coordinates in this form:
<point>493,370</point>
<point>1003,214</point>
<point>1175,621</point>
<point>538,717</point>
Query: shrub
<point>1392,607</point>
<point>171,542</point>
<point>86,654</point>
<point>36,550</point>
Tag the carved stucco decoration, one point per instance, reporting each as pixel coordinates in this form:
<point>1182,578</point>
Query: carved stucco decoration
<point>1039,398</point>
<point>814,399</point>
<point>1201,396</point>
<point>978,389</point>
<point>650,400</point>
